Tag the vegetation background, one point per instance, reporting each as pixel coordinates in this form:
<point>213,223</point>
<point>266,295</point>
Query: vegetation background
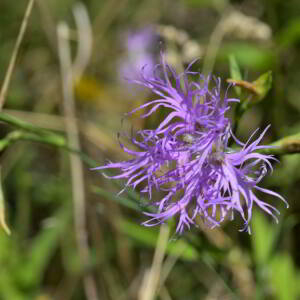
<point>71,236</point>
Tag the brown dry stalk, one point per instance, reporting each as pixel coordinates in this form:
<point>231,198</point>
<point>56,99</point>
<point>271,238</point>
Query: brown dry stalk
<point>14,55</point>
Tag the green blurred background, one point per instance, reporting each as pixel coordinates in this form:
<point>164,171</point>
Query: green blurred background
<point>61,249</point>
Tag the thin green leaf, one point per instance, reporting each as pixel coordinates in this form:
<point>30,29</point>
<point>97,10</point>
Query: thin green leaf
<point>235,72</point>
<point>262,86</point>
<point>263,238</point>
<point>43,247</point>
<point>283,277</point>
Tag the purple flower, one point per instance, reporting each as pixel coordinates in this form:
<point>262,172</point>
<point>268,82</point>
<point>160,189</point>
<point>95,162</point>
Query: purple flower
<point>139,48</point>
<point>188,158</point>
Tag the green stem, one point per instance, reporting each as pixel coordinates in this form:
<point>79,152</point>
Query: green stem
<point>286,145</point>
<point>8,119</point>
<point>36,134</point>
<point>12,137</point>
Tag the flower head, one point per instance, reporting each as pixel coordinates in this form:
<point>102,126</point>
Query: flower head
<point>188,158</point>
<point>139,48</point>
